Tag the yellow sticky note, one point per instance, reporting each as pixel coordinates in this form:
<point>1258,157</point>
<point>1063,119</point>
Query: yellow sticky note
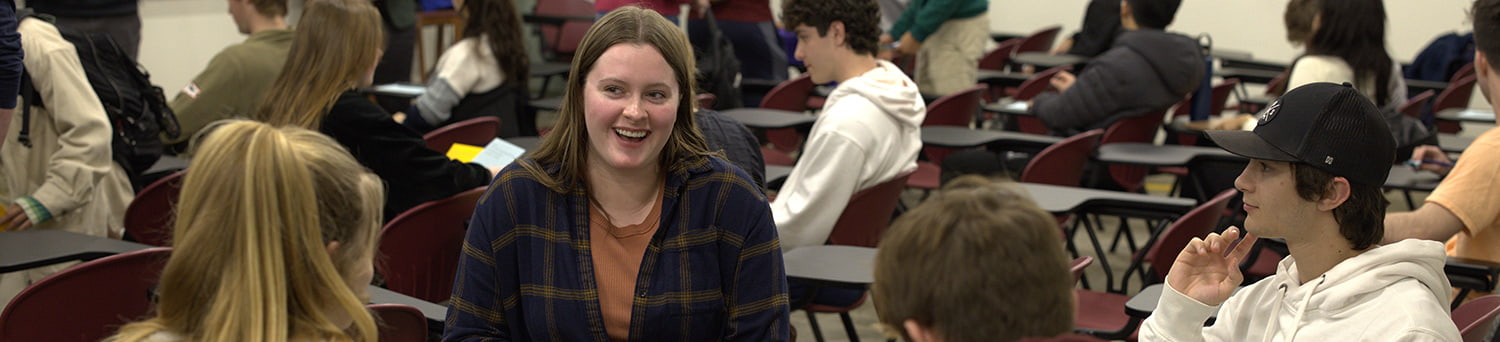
<point>463,153</point>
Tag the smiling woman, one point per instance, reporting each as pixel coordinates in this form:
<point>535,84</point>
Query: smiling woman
<point>622,224</point>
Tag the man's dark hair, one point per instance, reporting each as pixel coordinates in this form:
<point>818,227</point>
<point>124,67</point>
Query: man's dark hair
<point>1486,15</point>
<point>1154,14</point>
<point>861,20</point>
<point>1361,218</point>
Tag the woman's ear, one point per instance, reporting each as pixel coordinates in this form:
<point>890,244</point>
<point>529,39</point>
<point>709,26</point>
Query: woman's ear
<point>332,249</point>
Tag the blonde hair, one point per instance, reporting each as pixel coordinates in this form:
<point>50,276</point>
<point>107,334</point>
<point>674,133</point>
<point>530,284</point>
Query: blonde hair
<point>334,47</point>
<point>259,206</point>
<point>568,143</point>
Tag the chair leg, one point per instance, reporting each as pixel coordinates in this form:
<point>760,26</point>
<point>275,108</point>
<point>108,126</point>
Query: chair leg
<point>1129,237</point>
<point>849,326</point>
<point>812,320</point>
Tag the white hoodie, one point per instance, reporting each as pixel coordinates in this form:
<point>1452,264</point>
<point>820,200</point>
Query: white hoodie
<point>1396,292</point>
<point>867,133</point>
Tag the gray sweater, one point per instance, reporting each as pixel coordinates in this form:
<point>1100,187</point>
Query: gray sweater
<point>1145,71</point>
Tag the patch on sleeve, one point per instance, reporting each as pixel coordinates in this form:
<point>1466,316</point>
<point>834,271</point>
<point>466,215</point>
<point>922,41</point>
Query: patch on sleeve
<point>191,90</point>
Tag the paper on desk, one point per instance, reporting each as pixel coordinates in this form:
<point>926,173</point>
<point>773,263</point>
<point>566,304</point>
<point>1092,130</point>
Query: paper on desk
<point>400,89</point>
<point>1019,106</point>
<point>498,153</point>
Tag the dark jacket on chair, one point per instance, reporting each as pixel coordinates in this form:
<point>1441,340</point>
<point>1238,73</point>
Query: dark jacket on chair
<point>1145,71</point>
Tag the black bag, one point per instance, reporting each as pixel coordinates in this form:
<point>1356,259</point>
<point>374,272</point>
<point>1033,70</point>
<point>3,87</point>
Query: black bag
<point>137,110</point>
<point>718,69</point>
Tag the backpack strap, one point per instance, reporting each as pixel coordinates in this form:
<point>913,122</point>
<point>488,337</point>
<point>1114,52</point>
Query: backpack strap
<point>28,94</point>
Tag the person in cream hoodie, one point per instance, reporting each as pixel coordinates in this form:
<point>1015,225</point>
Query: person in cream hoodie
<point>868,131</point>
<point>1318,157</point>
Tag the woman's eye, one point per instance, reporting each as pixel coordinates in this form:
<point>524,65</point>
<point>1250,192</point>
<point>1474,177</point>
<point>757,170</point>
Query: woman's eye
<point>613,89</point>
<point>657,95</point>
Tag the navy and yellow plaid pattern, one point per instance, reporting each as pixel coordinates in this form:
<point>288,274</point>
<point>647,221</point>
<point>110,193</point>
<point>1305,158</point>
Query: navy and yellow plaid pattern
<point>712,272</point>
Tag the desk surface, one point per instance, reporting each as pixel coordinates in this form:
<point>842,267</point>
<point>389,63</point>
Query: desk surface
<point>168,163</point>
<point>1001,78</point>
<point>434,312</point>
<point>1402,177</point>
<point>1147,154</point>
<point>1009,108</point>
<point>964,137</point>
<point>1064,199</point>
<point>1417,86</point>
<point>1043,60</point>
<point>1453,143</point>
<point>33,248</point>
<point>550,68</point>
<point>1248,75</point>
<point>550,103</point>
<point>1471,115</point>
<point>1143,303</point>
<point>841,266</point>
<point>777,174</point>
<point>770,118</point>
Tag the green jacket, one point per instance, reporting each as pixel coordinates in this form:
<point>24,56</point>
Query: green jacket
<point>923,17</point>
<point>233,83</point>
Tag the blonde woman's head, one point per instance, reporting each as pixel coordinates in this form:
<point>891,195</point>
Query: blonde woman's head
<point>335,48</point>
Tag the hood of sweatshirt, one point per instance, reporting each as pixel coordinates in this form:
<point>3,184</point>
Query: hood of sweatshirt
<point>1347,283</point>
<point>1167,53</point>
<point>889,89</point>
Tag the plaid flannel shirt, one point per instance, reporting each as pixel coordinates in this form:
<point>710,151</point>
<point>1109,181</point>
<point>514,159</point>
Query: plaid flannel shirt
<point>712,272</point>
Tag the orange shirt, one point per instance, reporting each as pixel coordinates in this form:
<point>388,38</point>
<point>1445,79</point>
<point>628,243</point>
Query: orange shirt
<point>617,253</point>
<point>1469,192</point>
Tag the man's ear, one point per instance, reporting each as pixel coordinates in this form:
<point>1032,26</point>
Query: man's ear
<point>919,333</point>
<point>836,33</point>
<point>1336,194</point>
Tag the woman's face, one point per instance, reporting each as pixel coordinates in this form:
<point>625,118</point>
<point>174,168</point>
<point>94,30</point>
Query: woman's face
<point>630,106</point>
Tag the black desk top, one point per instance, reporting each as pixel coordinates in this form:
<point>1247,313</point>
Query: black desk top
<point>33,248</point>
<point>964,137</point>
<point>1453,143</point>
<point>1147,154</point>
<point>1414,87</point>
<point>1248,75</point>
<point>1245,61</point>
<point>1471,115</point>
<point>1063,199</point>
<point>550,103</point>
<point>528,142</point>
<point>1402,177</point>
<point>550,68</point>
<point>1008,108</point>
<point>1043,60</point>
<point>829,265</point>
<point>1143,303</point>
<point>1001,78</point>
<point>769,118</point>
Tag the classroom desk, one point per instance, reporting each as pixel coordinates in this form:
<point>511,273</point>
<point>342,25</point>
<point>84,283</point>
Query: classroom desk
<point>1009,108</point>
<point>25,249</point>
<point>400,90</point>
<point>831,265</point>
<point>1062,199</point>
<point>1147,154</point>
<point>999,78</point>
<point>769,118</point>
<point>1248,75</point>
<point>168,163</point>
<point>548,104</point>
<point>1402,177</point>
<point>1414,87</point>
<point>548,69</point>
<point>1043,60</point>
<point>1245,61</point>
<point>776,175</point>
<point>1470,115</point>
<point>1453,143</point>
<point>964,137</point>
<point>528,143</point>
<point>433,312</point>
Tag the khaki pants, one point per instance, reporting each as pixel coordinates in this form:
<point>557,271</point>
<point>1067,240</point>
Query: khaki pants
<point>949,58</point>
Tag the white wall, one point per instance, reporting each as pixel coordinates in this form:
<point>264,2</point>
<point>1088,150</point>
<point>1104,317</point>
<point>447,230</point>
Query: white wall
<point>178,37</point>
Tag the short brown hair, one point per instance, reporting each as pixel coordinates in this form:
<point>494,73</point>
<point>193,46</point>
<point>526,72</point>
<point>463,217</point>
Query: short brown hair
<point>977,262</point>
<point>1299,17</point>
<point>1486,16</point>
<point>1361,218</point>
<point>861,20</point>
<point>274,8</point>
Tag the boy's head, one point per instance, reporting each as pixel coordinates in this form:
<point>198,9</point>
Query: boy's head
<point>1322,149</point>
<point>1486,16</point>
<point>1151,14</point>
<point>246,11</point>
<point>829,32</point>
<point>977,262</point>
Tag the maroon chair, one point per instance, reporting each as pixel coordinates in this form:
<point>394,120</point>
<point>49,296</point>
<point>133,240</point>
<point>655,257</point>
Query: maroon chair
<point>1456,96</point>
<point>956,109</point>
<point>791,95</point>
<point>1038,83</point>
<point>1219,98</point>
<point>1476,318</point>
<point>1414,105</point>
<point>1139,129</point>
<point>861,223</point>
<point>998,58</point>
<point>1102,314</point>
<point>477,132</point>
<point>148,218</point>
<point>1039,41</point>
<point>1078,266</point>
<point>776,157</point>
<point>399,322</point>
<point>1063,163</point>
<point>562,40</point>
<point>87,302</point>
<point>1464,71</point>
<point>419,249</point>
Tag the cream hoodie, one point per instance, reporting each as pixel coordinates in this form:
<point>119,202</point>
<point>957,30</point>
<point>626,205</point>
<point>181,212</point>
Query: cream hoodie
<point>867,133</point>
<point>1396,292</point>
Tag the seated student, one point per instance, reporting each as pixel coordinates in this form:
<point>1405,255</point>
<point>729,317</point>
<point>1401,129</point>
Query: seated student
<point>1318,158</point>
<point>247,267</point>
<point>335,50</point>
<point>1101,24</point>
<point>63,177</point>
<point>1000,264</point>
<point>237,78</point>
<point>483,74</point>
<point>1147,70</point>
<point>621,225</point>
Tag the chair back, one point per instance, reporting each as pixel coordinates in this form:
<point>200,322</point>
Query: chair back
<point>1062,163</point>
<point>1414,105</point>
<point>419,249</point>
<point>1139,129</point>
<point>1464,71</point>
<point>956,109</point>
<point>1277,85</point>
<point>148,218</point>
<point>998,58</point>
<point>1039,41</point>
<point>1455,96</point>
<point>400,322</point>
<point>790,95</point>
<point>1219,98</point>
<point>1195,224</point>
<point>1038,83</point>
<point>776,157</point>
<point>477,132</point>
<point>1476,318</point>
<point>1078,266</point>
<point>87,302</point>
<point>563,40</point>
<point>868,214</point>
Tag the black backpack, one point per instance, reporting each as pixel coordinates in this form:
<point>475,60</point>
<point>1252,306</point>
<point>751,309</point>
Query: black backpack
<point>718,68</point>
<point>137,110</point>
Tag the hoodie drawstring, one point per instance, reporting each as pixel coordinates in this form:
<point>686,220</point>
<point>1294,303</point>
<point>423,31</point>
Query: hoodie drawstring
<point>1275,312</point>
<point>1306,298</point>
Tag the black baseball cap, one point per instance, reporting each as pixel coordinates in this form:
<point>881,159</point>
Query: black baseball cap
<point>1329,126</point>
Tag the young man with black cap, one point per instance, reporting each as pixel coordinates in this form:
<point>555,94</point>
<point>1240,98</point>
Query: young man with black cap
<point>1317,160</point>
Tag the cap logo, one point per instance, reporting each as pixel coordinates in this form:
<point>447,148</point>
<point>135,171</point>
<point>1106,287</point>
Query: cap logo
<point>1328,160</point>
<point>1270,113</point>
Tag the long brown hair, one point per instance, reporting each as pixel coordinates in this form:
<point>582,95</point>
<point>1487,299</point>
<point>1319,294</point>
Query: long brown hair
<point>250,262</point>
<point>497,22</point>
<point>568,144</point>
<point>335,46</point>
